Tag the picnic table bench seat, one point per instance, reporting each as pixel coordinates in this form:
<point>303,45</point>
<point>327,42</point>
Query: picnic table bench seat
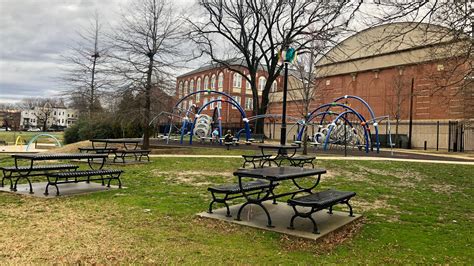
<point>257,158</point>
<point>319,201</point>
<point>138,154</point>
<point>9,170</point>
<point>233,191</point>
<point>301,160</point>
<point>82,176</point>
<point>97,150</point>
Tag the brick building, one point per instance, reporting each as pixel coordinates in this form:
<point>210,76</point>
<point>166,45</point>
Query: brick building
<point>379,65</point>
<point>219,78</point>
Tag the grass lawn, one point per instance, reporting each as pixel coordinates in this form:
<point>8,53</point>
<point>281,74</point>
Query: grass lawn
<point>413,212</point>
<point>10,137</point>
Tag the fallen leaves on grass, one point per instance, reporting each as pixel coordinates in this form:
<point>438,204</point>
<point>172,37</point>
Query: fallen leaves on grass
<point>324,244</point>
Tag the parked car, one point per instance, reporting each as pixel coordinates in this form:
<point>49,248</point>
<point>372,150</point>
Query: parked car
<point>33,129</point>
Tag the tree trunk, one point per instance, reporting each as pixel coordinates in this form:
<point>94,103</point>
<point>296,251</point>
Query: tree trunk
<point>146,130</point>
<point>91,103</point>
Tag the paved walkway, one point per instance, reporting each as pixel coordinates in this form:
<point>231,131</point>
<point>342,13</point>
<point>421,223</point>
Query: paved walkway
<point>320,158</point>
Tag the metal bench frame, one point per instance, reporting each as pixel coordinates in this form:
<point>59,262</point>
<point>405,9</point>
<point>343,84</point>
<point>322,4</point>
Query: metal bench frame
<point>300,161</point>
<point>315,208</point>
<point>9,171</point>
<point>104,175</point>
<point>260,159</point>
<point>97,150</point>
<point>231,194</point>
<point>138,154</point>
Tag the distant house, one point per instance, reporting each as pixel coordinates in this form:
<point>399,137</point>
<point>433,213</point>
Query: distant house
<point>54,117</point>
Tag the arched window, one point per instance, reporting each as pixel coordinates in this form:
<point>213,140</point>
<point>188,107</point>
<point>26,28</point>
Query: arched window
<point>220,81</point>
<point>206,82</point>
<point>213,82</point>
<point>261,83</point>
<point>211,105</point>
<point>186,87</point>
<point>219,104</point>
<point>274,86</point>
<point>237,83</point>
<point>198,88</point>
<point>180,89</point>
<point>248,88</point>
<point>191,86</point>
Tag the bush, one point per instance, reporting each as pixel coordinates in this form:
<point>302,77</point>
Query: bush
<point>104,127</point>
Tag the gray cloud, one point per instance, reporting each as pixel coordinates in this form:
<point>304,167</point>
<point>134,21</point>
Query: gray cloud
<point>33,35</point>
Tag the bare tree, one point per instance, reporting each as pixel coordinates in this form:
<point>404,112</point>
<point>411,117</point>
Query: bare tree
<point>397,102</point>
<point>303,91</point>
<point>254,31</point>
<point>147,50</point>
<point>86,68</point>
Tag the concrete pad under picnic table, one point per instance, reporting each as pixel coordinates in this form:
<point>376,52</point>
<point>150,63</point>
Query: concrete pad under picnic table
<point>281,213</point>
<point>69,189</point>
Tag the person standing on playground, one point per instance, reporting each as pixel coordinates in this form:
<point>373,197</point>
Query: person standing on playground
<point>215,134</point>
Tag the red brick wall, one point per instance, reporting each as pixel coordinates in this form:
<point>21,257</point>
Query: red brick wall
<point>379,90</point>
<point>229,115</point>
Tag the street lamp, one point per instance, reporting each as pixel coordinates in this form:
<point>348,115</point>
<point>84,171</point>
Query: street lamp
<point>288,55</point>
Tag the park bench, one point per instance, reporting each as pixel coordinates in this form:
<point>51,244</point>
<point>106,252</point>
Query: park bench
<point>300,161</point>
<point>319,201</point>
<point>260,159</point>
<point>138,154</point>
<point>82,176</point>
<point>233,191</point>
<point>39,170</point>
<point>97,150</point>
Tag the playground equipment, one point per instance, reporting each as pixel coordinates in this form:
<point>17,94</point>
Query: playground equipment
<point>36,137</point>
<point>202,125</point>
<point>19,141</point>
<point>345,126</point>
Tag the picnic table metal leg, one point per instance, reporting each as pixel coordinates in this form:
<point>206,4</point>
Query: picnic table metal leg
<point>257,201</point>
<point>25,176</point>
<point>350,208</point>
<point>303,215</point>
<point>305,189</point>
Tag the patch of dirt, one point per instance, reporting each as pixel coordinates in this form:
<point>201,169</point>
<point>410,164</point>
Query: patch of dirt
<point>363,206</point>
<point>195,178</point>
<point>216,225</point>
<point>325,244</point>
<point>444,188</point>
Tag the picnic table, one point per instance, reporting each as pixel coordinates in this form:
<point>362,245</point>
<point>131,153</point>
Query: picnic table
<point>26,171</point>
<point>283,152</point>
<point>130,148</point>
<point>274,175</point>
<point>131,141</point>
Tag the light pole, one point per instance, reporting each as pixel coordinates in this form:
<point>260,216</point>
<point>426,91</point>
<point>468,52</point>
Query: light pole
<point>287,55</point>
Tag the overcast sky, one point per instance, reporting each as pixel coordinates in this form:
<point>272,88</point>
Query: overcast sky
<point>33,35</point>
